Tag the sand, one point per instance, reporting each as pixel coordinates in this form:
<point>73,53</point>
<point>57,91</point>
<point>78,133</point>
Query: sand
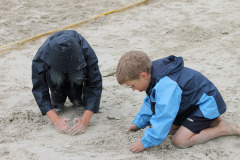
<point>205,33</point>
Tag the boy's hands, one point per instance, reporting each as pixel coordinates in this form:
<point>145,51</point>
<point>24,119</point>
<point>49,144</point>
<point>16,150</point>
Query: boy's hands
<point>82,123</point>
<point>137,146</point>
<point>133,127</point>
<point>61,125</point>
<point>78,128</point>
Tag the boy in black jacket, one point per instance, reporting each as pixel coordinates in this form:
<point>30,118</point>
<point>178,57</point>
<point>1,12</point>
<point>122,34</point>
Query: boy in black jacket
<point>67,65</point>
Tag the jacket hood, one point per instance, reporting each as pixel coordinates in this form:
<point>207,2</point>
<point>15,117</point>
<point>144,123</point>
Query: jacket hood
<point>164,67</point>
<point>63,52</point>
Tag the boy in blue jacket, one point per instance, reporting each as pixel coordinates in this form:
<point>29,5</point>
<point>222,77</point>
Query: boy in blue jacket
<point>178,100</point>
<point>68,66</point>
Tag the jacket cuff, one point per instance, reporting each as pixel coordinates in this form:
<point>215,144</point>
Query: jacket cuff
<point>139,122</point>
<point>146,143</point>
<point>45,110</point>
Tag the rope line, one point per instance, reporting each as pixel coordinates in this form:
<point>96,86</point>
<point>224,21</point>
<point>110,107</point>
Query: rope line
<point>23,41</point>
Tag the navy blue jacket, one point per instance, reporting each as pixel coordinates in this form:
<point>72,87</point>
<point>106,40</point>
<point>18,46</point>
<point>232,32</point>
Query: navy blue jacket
<point>174,90</point>
<point>41,64</point>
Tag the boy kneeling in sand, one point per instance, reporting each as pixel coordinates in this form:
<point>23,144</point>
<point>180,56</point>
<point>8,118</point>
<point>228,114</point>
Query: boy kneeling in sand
<point>67,65</point>
<point>179,100</point>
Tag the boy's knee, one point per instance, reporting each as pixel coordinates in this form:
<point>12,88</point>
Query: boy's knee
<point>58,81</point>
<point>78,81</point>
<point>179,143</point>
<point>57,78</point>
<point>77,78</point>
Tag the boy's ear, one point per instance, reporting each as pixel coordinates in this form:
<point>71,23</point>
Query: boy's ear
<point>144,75</point>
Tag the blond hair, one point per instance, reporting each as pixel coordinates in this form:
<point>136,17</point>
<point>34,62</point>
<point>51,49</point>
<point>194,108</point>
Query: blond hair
<point>131,64</point>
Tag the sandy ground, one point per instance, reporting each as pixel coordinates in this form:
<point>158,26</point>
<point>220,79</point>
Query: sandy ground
<point>205,33</point>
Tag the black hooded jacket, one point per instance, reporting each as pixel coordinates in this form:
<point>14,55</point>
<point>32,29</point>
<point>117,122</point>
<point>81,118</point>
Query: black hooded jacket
<point>81,55</point>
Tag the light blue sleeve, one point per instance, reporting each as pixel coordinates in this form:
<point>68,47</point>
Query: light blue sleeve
<point>142,119</point>
<point>167,96</point>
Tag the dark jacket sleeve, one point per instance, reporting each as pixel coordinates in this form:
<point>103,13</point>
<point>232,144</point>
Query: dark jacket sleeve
<point>40,88</point>
<point>93,88</point>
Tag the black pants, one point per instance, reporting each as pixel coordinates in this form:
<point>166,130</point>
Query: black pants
<point>63,85</point>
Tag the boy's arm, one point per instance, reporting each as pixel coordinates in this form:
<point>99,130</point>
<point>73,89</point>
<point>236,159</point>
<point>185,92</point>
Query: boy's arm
<point>142,119</point>
<point>40,88</point>
<point>93,87</point>
<point>168,98</point>
<point>41,94</point>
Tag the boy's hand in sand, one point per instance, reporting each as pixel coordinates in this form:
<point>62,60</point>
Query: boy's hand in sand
<point>78,128</point>
<point>133,127</point>
<point>61,125</point>
<point>137,146</point>
<point>82,123</point>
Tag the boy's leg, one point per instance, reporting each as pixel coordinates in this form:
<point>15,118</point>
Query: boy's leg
<point>76,84</point>
<point>57,84</point>
<point>185,138</point>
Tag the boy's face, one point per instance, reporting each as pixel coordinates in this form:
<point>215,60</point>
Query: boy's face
<point>140,84</point>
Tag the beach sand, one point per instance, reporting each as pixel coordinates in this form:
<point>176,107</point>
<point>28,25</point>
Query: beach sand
<point>205,33</point>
